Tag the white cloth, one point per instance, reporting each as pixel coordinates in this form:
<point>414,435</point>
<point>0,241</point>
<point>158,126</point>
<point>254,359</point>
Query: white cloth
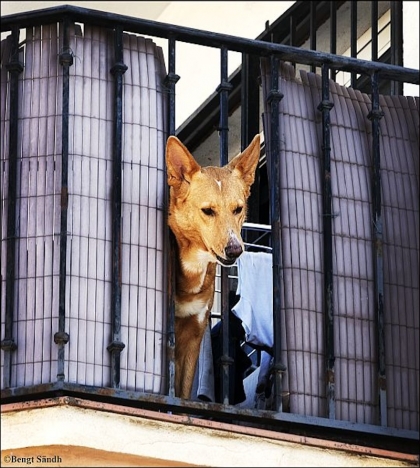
<point>255,288</point>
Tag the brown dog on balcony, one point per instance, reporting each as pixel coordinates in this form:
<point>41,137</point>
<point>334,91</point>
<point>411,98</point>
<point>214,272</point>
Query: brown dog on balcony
<point>207,208</point>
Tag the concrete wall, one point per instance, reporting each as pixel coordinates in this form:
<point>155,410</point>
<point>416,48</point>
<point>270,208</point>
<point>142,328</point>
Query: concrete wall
<point>100,434</point>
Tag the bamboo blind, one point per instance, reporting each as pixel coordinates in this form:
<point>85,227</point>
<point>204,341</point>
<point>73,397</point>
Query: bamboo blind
<point>353,285</point>
<point>89,242</point>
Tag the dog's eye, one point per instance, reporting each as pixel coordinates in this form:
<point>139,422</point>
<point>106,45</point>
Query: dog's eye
<point>208,211</point>
<point>237,210</point>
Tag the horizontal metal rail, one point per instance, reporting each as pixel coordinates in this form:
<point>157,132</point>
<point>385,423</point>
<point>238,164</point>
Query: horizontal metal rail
<point>210,39</point>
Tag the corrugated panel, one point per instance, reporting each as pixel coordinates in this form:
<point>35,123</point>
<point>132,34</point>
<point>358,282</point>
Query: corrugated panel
<point>38,196</point>
<point>400,181</point>
<point>301,217</point>
<point>301,202</point>
<point>89,244</point>
<point>143,324</point>
<point>88,287</point>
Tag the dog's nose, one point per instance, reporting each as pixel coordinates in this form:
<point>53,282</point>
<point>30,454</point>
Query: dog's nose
<point>233,249</point>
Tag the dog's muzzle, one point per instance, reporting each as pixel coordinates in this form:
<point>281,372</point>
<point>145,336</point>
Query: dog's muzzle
<point>232,251</point>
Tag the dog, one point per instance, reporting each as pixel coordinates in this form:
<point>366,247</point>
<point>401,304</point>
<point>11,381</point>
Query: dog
<point>207,208</point>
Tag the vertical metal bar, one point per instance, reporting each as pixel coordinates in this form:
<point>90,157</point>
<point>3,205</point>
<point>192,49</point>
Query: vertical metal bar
<point>223,90</point>
<point>325,107</point>
<point>250,120</point>
<point>397,42</point>
<point>333,34</point>
<point>116,346</point>
<point>292,31</point>
<point>374,23</point>
<point>170,82</point>
<point>292,34</point>
<point>375,115</point>
<point>61,338</point>
<point>15,68</point>
<point>353,38</point>
<point>250,99</point>
<point>273,99</point>
<point>312,30</point>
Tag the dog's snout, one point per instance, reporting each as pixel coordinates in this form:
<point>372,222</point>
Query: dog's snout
<point>233,249</point>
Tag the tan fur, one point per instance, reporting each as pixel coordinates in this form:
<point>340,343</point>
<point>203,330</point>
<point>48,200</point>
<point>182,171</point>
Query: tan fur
<point>207,208</point>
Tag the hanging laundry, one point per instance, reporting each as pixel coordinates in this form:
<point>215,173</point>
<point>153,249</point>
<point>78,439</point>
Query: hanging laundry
<point>255,306</point>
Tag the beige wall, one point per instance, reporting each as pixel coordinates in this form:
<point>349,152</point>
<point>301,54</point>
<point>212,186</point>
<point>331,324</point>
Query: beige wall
<point>97,429</point>
<point>148,10</point>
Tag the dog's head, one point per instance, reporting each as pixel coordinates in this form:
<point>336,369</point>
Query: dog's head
<point>207,205</point>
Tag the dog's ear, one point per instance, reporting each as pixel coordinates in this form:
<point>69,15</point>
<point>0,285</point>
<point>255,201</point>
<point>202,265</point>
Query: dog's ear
<point>180,163</point>
<point>246,162</point>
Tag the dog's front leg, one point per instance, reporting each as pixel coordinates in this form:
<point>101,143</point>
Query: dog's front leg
<point>189,332</point>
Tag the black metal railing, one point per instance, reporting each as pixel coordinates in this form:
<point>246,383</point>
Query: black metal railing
<point>325,107</point>
<point>61,338</point>
<point>330,428</point>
